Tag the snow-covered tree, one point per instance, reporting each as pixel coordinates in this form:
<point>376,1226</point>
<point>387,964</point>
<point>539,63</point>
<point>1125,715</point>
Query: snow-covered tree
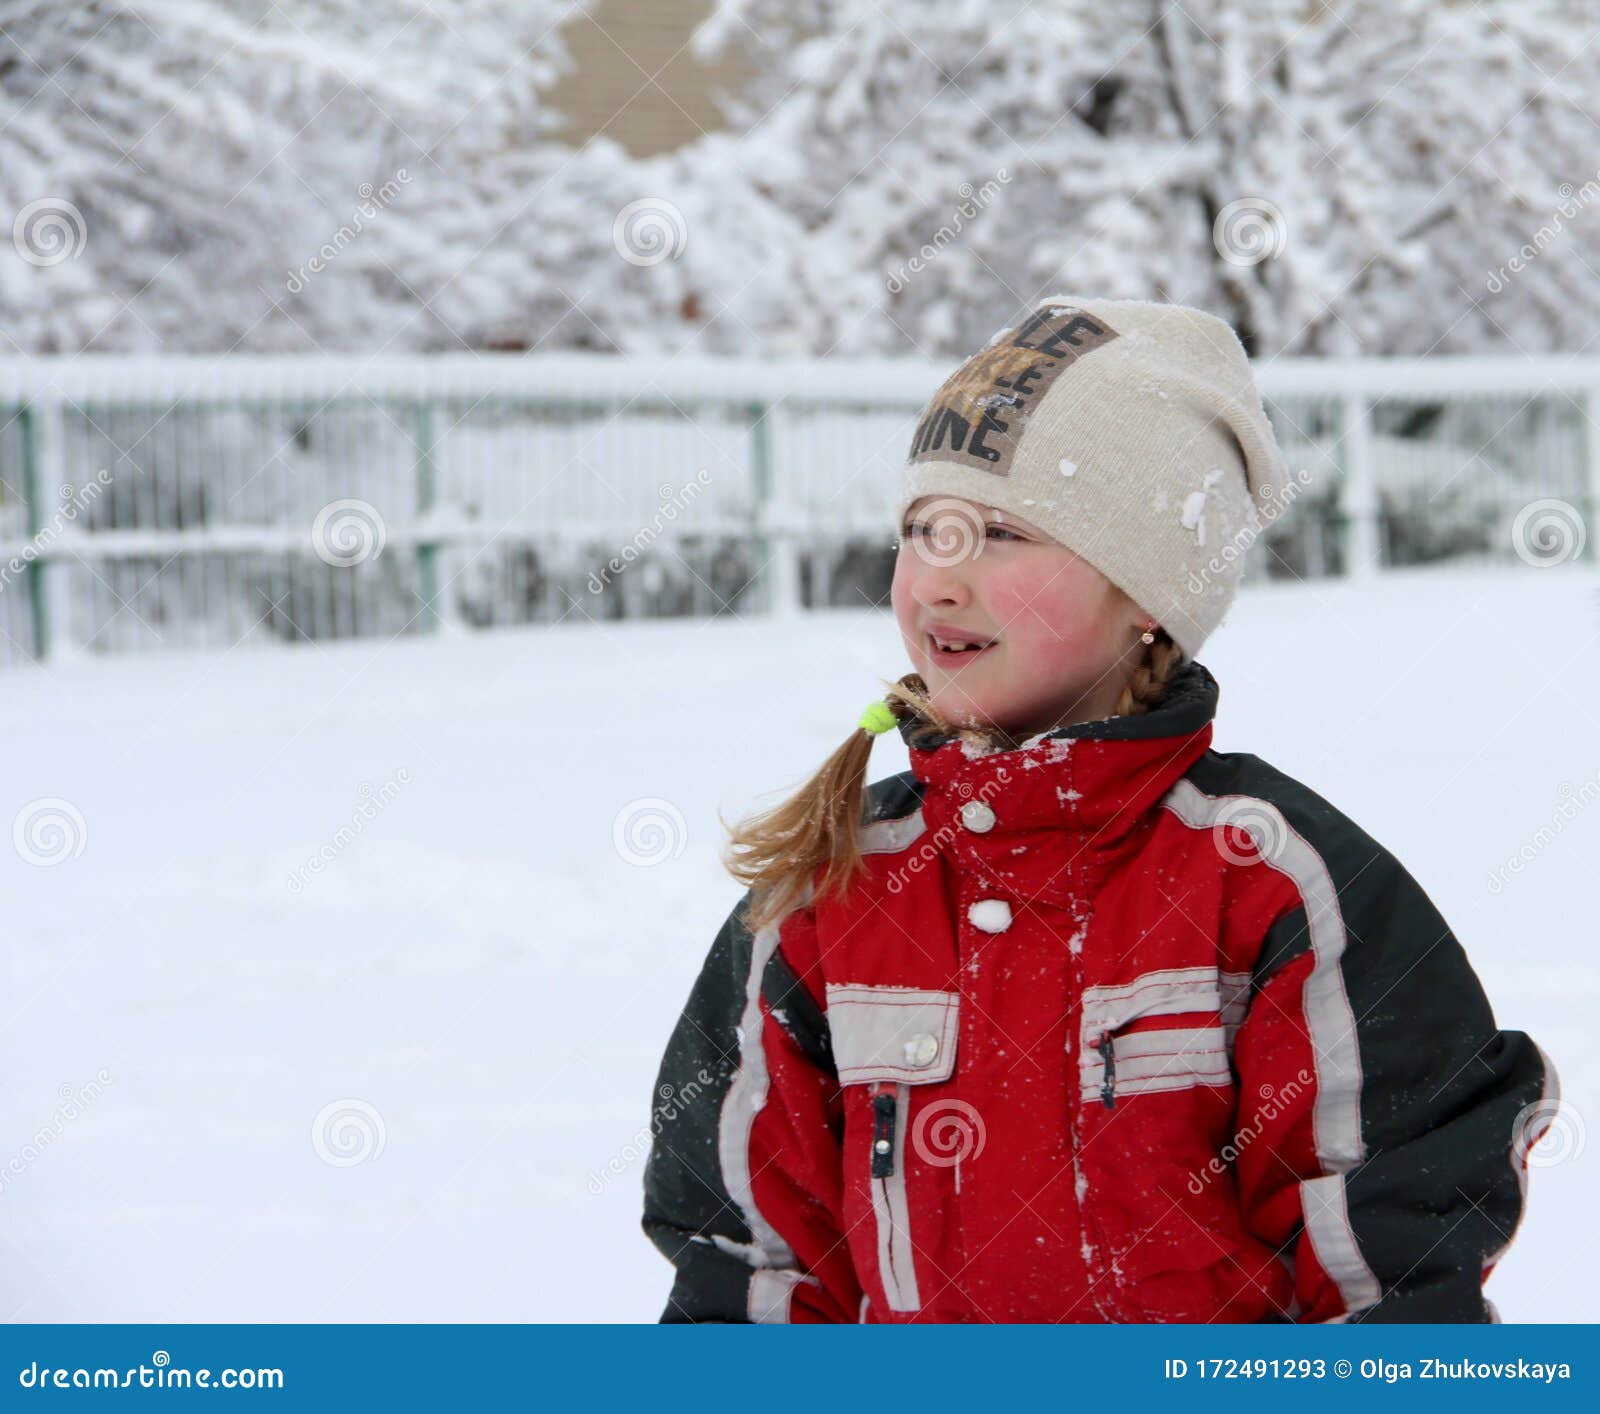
<point>1342,177</point>
<point>1374,176</point>
<point>218,174</point>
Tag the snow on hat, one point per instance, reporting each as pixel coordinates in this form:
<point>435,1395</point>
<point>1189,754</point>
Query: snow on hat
<point>1130,431</point>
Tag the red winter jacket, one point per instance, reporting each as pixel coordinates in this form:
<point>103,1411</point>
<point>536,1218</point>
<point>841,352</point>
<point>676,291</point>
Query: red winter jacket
<point>1114,1027</point>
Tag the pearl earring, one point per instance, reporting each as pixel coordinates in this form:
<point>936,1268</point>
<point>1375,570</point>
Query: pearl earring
<point>1147,637</point>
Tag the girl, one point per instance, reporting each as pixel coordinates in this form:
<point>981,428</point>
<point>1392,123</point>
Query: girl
<point>1079,1019</point>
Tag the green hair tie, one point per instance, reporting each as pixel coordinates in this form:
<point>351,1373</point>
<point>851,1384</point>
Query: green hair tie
<point>877,718</point>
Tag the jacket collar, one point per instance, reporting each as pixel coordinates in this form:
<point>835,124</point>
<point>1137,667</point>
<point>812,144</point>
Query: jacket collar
<point>1099,776</point>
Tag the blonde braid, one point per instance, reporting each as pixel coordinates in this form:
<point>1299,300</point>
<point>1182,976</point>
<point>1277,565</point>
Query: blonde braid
<point>1154,672</point>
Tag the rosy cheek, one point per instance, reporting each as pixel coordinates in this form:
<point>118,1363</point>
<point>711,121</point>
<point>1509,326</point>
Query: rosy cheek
<point>1044,620</point>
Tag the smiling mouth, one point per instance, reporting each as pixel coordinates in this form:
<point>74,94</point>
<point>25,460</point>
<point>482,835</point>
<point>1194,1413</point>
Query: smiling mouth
<point>952,655</point>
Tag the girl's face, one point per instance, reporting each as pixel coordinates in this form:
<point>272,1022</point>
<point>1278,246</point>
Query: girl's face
<point>1062,638</point>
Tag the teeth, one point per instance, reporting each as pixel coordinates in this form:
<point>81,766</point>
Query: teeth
<point>957,647</point>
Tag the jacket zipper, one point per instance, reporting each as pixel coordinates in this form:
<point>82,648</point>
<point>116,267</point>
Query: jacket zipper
<point>883,1112</point>
<point>895,1265</point>
<point>1108,1096</point>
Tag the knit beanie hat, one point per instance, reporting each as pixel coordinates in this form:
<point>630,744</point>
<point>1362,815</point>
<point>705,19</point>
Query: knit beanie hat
<point>1130,431</point>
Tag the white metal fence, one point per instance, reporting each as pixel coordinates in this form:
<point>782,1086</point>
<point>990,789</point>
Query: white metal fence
<point>201,502</point>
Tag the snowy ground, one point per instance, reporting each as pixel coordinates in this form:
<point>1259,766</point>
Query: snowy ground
<point>484,970</point>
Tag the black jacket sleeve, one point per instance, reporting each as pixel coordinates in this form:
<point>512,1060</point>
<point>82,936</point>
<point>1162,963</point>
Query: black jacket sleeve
<point>1389,1117</point>
<point>731,1197</point>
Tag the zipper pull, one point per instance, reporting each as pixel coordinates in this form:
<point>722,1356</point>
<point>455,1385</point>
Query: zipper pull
<point>1108,1096</point>
<point>883,1108</point>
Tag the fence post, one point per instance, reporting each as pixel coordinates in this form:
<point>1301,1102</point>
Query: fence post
<point>48,586</point>
<point>775,544</point>
<point>1358,501</point>
<point>427,496</point>
<point>1591,448</point>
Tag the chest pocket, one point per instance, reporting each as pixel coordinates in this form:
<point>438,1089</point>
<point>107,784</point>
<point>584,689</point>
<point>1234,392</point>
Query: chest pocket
<point>885,1040</point>
<point>1113,1062</point>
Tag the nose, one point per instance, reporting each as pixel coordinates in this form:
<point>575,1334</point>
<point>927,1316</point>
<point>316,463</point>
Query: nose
<point>939,586</point>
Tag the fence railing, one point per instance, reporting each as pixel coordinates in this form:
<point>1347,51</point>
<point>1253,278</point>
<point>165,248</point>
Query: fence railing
<point>197,502</point>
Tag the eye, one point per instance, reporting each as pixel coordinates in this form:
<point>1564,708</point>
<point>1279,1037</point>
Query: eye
<point>991,532</point>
